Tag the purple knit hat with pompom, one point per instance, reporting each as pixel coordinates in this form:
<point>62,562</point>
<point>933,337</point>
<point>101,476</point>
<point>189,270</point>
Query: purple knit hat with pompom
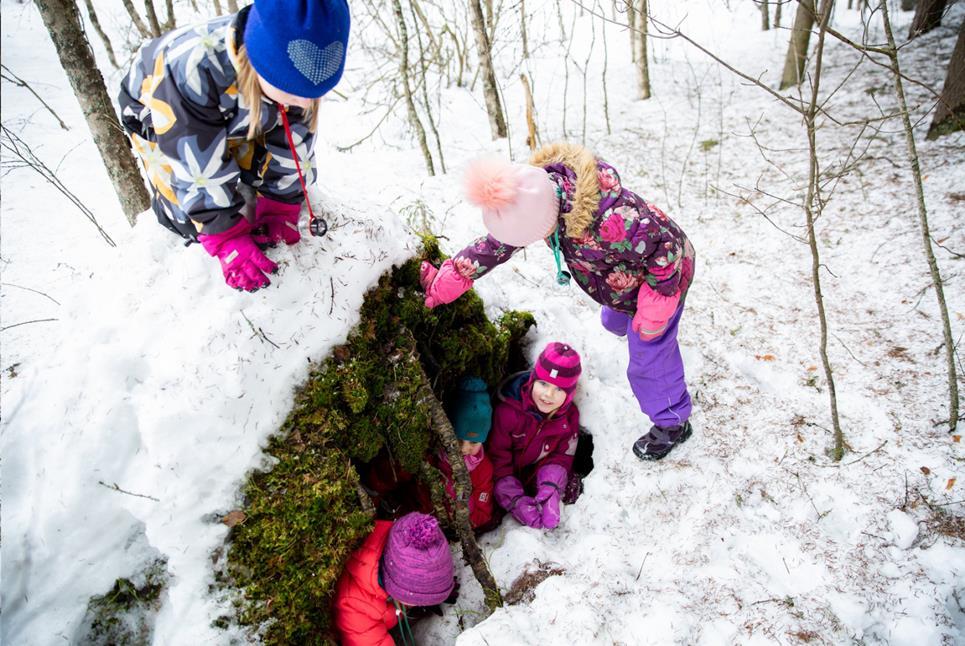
<point>417,564</point>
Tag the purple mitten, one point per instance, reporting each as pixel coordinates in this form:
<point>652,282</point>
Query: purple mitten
<point>551,480</point>
<point>242,263</point>
<point>527,512</point>
<point>443,285</point>
<point>278,220</point>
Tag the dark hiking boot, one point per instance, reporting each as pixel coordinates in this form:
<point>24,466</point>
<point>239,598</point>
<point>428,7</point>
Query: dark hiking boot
<point>660,440</point>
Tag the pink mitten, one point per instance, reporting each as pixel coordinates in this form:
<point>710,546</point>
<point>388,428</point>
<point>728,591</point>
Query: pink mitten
<point>278,220</point>
<point>551,480</point>
<point>653,312</point>
<point>442,285</point>
<point>242,263</point>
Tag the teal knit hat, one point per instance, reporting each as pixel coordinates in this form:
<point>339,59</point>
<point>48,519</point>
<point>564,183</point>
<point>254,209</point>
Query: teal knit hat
<point>472,413</point>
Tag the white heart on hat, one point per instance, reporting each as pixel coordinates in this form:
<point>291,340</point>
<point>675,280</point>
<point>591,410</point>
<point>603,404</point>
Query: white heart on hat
<point>316,64</point>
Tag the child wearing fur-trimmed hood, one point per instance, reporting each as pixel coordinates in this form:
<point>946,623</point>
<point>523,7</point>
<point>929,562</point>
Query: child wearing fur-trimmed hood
<point>623,251</point>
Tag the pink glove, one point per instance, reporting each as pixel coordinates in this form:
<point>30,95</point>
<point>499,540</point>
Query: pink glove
<point>243,264</point>
<point>442,285</point>
<point>527,512</point>
<point>551,479</point>
<point>653,312</point>
<point>278,220</point>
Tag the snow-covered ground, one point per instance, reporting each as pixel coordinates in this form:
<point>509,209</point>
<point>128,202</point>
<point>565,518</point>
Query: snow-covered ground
<point>152,377</point>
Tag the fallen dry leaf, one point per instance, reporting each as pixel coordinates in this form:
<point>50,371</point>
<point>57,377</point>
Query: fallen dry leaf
<point>951,483</point>
<point>956,438</point>
<point>926,471</point>
<point>765,357</point>
<point>812,368</point>
<point>232,518</point>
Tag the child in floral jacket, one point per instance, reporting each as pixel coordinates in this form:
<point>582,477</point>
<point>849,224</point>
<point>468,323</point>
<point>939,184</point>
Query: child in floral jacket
<point>534,437</point>
<point>624,252</point>
<point>233,102</point>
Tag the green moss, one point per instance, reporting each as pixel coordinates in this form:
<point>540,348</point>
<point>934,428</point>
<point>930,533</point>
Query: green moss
<point>304,517</point>
<point>125,615</point>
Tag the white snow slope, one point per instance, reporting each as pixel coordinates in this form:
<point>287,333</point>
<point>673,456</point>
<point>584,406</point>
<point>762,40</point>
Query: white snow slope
<point>131,418</point>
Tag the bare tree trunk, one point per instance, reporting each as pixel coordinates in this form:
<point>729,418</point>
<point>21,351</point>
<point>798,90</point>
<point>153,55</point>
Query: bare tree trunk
<point>632,26</point>
<point>813,204</point>
<point>171,21</point>
<point>62,20</point>
<point>777,13</point>
<point>217,7</point>
<point>232,6</point>
<point>522,26</point>
<point>425,86</point>
<point>765,15</point>
<point>950,113</point>
<point>606,100</point>
<point>532,139</point>
<point>136,19</point>
<point>407,90</point>
<point>797,49</point>
<point>442,427</point>
<point>907,5</point>
<point>100,32</point>
<point>923,221</point>
<point>928,15</point>
<point>152,18</point>
<point>643,64</point>
<point>497,122</point>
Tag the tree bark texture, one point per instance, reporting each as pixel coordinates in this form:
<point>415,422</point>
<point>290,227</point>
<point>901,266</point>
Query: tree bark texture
<point>497,122</point>
<point>777,14</point>
<point>765,15</point>
<point>907,5</point>
<point>171,21</point>
<point>532,139</point>
<point>62,19</point>
<point>923,222</point>
<point>642,60</point>
<point>522,27</point>
<point>136,19</point>
<point>96,23</point>
<point>797,49</point>
<point>407,89</point>
<point>233,6</point>
<point>950,113</point>
<point>152,18</point>
<point>928,15</point>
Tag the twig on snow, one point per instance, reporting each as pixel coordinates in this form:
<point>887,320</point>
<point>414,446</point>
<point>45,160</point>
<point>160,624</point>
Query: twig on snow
<point>114,486</point>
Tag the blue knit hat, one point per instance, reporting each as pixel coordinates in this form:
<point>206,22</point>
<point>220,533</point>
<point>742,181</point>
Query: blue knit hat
<point>298,45</point>
<point>472,412</point>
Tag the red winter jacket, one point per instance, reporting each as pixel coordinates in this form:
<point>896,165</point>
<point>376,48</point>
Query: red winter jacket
<point>523,439</point>
<point>481,478</point>
<point>363,613</point>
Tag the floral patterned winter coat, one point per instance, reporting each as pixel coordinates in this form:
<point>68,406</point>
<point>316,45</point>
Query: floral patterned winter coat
<point>614,242</point>
<point>188,123</point>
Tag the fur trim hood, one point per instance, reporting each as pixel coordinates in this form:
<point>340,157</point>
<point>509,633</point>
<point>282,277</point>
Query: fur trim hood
<point>586,195</point>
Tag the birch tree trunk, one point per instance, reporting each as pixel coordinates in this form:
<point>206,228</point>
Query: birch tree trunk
<point>62,20</point>
<point>497,122</point>
<point>950,113</point>
<point>797,49</point>
<point>642,61</point>
<point>923,222</point>
<point>928,15</point>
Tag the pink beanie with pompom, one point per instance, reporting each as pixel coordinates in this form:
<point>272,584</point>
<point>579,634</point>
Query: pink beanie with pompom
<point>416,563</point>
<point>518,201</point>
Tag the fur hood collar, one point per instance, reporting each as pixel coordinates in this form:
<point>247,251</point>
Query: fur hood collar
<point>586,194</point>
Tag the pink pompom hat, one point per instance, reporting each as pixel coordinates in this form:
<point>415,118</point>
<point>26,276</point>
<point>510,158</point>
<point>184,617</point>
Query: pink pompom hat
<point>519,202</point>
<point>416,563</point>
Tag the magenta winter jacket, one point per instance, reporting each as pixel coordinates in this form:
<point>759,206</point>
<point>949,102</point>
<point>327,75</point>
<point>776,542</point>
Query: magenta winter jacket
<point>522,439</point>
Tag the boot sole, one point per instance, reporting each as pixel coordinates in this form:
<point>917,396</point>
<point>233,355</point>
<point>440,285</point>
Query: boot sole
<point>653,457</point>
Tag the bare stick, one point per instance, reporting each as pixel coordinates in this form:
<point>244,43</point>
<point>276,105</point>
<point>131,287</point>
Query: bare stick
<point>35,291</point>
<point>16,80</point>
<point>7,327</point>
<point>114,486</point>
<point>16,146</point>
<point>923,223</point>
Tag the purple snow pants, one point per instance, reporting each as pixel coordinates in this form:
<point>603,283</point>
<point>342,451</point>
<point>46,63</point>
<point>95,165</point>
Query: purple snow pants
<point>656,370</point>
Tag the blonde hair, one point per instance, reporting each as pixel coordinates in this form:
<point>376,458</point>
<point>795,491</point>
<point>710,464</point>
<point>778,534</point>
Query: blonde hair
<point>250,90</point>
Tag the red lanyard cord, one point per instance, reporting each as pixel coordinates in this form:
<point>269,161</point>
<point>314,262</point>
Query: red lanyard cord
<point>291,145</point>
